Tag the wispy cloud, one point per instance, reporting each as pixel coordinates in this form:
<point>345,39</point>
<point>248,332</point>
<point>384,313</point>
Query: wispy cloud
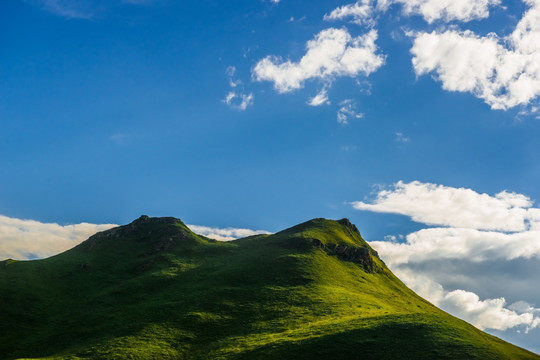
<point>82,9</point>
<point>401,138</point>
<point>236,98</point>
<point>347,111</point>
<point>320,99</point>
<point>76,9</point>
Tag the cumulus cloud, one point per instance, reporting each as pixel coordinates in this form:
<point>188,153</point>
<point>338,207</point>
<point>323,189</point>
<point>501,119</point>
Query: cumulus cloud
<point>504,72</point>
<point>364,12</point>
<point>224,234</point>
<point>457,207</point>
<point>474,231</point>
<point>456,243</point>
<point>348,111</point>
<point>361,12</point>
<point>447,10</point>
<point>489,313</point>
<point>484,314</point>
<point>332,53</point>
<point>26,239</point>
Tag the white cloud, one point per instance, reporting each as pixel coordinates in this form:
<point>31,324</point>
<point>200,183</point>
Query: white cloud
<point>447,10</point>
<point>231,71</point>
<point>224,234</point>
<point>514,234</point>
<point>401,138</point>
<point>489,313</point>
<point>484,314</point>
<point>457,243</point>
<point>504,72</point>
<point>238,100</point>
<point>23,239</point>
<point>348,111</point>
<point>457,207</point>
<point>362,13</point>
<point>320,99</point>
<point>332,53</point>
<point>30,239</point>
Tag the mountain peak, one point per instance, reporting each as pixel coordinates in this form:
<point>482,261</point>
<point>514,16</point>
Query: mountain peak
<point>145,219</point>
<point>347,223</point>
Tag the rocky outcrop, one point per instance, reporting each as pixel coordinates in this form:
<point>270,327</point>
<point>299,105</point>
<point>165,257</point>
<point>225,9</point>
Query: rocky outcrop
<point>358,255</point>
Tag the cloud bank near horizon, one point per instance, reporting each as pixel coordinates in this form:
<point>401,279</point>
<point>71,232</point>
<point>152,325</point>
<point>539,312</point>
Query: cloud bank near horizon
<point>473,235</point>
<point>23,239</point>
<point>29,239</point>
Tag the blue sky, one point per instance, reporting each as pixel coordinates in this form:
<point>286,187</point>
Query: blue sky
<point>263,114</point>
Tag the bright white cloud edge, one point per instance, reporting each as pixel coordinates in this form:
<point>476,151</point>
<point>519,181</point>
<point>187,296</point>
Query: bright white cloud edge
<point>434,204</point>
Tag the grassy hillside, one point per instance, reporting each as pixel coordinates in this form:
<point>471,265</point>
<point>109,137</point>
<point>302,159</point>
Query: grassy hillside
<point>155,290</point>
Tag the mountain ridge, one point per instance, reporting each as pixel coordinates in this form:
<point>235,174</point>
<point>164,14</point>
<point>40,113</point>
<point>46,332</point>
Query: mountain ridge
<point>154,289</point>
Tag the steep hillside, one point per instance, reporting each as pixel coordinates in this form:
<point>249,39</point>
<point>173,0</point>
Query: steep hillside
<point>155,290</point>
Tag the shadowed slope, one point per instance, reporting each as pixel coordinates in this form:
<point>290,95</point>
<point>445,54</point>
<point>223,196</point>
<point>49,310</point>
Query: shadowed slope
<point>154,289</point>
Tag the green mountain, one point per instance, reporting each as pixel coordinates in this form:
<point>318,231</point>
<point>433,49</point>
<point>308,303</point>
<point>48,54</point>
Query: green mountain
<point>155,290</point>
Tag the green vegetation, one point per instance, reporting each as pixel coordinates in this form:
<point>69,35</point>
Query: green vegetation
<point>155,290</point>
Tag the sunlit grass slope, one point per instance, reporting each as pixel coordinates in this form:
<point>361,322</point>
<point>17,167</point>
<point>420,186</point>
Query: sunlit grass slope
<point>155,290</point>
